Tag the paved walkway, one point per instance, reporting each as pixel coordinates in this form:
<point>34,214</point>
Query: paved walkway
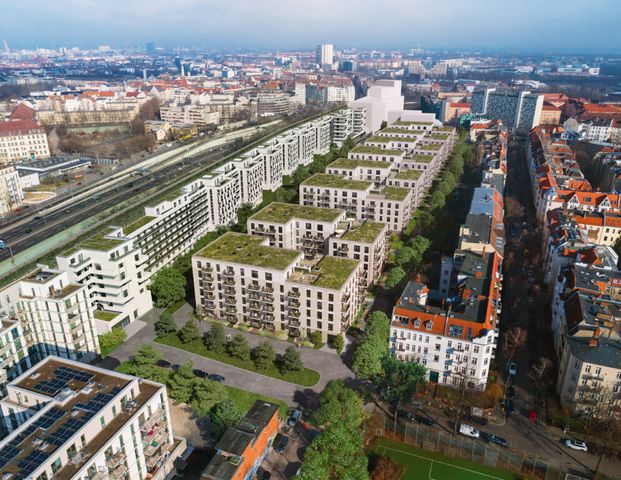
<point>328,364</point>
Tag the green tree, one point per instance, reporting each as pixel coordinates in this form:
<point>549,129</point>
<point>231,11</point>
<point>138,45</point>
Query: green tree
<point>395,278</point>
<point>111,340</point>
<point>243,213</point>
<point>378,325</point>
<point>165,324</point>
<point>226,414</point>
<point>143,362</point>
<point>420,245</point>
<point>367,361</point>
<point>168,287</point>
<point>264,355</point>
<point>181,383</point>
<point>189,332</point>
<point>291,361</point>
<point>438,199</point>
<point>315,338</point>
<point>338,342</point>
<point>399,380</point>
<point>239,347</point>
<point>216,340</point>
<point>405,256</point>
<point>205,394</point>
<point>339,404</point>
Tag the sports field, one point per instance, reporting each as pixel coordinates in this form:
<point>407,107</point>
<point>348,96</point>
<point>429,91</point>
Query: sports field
<point>424,465</point>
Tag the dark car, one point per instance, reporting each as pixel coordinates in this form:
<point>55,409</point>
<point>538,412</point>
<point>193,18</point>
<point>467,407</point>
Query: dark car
<point>36,218</point>
<point>407,415</point>
<point>430,422</point>
<point>478,420</point>
<point>280,442</point>
<point>176,367</point>
<point>510,406</point>
<point>163,363</point>
<point>214,377</point>
<point>496,440</point>
<point>200,373</point>
<point>263,474</point>
<point>28,230</point>
<point>511,391</point>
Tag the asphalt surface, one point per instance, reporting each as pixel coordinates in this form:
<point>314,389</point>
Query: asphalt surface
<point>42,226</point>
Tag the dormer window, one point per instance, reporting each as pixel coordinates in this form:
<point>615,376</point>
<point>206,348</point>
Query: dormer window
<point>417,323</point>
<point>429,325</point>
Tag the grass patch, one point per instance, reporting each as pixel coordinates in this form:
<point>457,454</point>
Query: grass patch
<point>175,306</point>
<point>132,227</point>
<point>105,315</point>
<point>306,377</point>
<point>423,465</point>
<point>334,181</point>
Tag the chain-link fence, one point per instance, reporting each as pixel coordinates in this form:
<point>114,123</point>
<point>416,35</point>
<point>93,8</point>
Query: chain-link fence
<point>460,446</point>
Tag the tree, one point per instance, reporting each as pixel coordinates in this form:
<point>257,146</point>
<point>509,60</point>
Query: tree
<point>215,339</point>
<point>165,324</point>
<point>385,469</point>
<point>367,361</point>
<point>514,209</point>
<point>419,245</point>
<point>243,213</point>
<point>315,338</point>
<point>145,359</point>
<point>399,380</point>
<point>538,375</point>
<point>291,361</point>
<point>168,287</point>
<point>189,332</point>
<point>338,343</point>
<point>112,339</point>
<point>181,383</point>
<point>239,347</point>
<point>339,404</point>
<point>513,341</point>
<point>378,324</point>
<point>226,414</point>
<point>264,355</point>
<point>395,278</point>
<point>205,394</point>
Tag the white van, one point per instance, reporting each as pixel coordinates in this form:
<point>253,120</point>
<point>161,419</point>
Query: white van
<point>468,431</point>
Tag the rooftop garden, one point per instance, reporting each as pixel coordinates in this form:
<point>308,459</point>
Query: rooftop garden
<point>105,315</point>
<point>379,139</point>
<point>366,232</point>
<point>247,250</point>
<point>327,180</point>
<point>376,150</point>
<point>395,193</point>
<point>444,129</point>
<point>100,243</point>
<point>132,227</point>
<point>409,175</point>
<point>277,212</point>
<point>401,131</point>
<point>408,123</point>
<point>334,271</point>
<point>431,146</point>
<point>349,164</point>
<point>422,158</point>
<point>439,135</point>
<point>403,139</point>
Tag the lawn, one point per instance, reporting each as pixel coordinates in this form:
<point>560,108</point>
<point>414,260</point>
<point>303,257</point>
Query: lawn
<point>423,465</point>
<point>306,377</point>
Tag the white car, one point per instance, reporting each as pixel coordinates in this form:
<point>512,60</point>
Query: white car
<point>575,445</point>
<point>468,431</point>
<point>512,369</point>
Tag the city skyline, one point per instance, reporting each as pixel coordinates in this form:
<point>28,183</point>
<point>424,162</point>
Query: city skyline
<point>530,27</point>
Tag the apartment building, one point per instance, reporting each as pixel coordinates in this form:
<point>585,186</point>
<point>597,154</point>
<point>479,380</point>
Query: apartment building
<point>72,421</point>
<point>13,351</point>
<point>349,122</point>
<point>366,170</point>
<point>518,109</point>
<point>22,140</point>
<point>240,278</point>
<point>11,193</point>
<point>199,115</point>
<point>484,229</point>
<point>360,199</point>
<point>54,314</point>
<point>242,448</point>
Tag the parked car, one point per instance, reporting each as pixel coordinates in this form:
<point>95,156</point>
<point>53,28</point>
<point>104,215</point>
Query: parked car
<point>478,420</point>
<point>295,416</point>
<point>407,415</point>
<point>430,422</point>
<point>263,474</point>
<point>575,445</point>
<point>163,363</point>
<point>36,218</point>
<point>216,378</point>
<point>512,369</point>
<point>510,406</point>
<point>511,391</point>
<point>469,431</point>
<point>280,442</point>
<point>497,441</point>
<point>200,373</point>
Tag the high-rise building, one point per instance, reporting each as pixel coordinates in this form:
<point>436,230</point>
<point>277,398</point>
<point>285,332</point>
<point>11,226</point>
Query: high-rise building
<point>518,109</point>
<point>150,48</point>
<point>325,54</point>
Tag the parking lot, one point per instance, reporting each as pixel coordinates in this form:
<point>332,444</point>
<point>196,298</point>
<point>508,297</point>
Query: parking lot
<point>286,464</point>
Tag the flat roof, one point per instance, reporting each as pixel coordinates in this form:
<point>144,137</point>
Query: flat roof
<point>366,232</point>
<point>327,180</point>
<point>351,164</point>
<point>141,222</point>
<point>395,193</point>
<point>408,174</point>
<point>328,272</point>
<point>277,212</point>
<point>376,150</point>
<point>248,250</point>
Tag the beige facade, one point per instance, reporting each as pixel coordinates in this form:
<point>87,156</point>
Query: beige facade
<point>24,144</point>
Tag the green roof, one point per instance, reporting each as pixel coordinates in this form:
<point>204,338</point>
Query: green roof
<point>327,180</point>
<point>141,222</point>
<point>439,135</point>
<point>375,150</point>
<point>247,250</point>
<point>379,139</point>
<point>105,315</point>
<point>283,212</point>
<point>404,122</point>
<point>100,243</point>
<point>445,129</point>
<point>366,232</point>
<point>334,271</point>
<point>350,164</point>
<point>422,158</point>
<point>430,146</point>
<point>398,130</point>
<point>409,175</point>
<point>395,193</point>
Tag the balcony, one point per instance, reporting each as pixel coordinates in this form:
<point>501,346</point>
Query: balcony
<point>228,273</point>
<point>293,293</point>
<point>268,308</point>
<point>294,324</point>
<point>593,376</point>
<point>209,296</point>
<point>254,296</point>
<point>255,287</point>
<point>229,291</point>
<point>115,460</point>
<point>294,332</point>
<point>229,281</point>
<point>294,312</point>
<point>269,290</point>
<point>231,310</point>
<point>207,277</point>
<point>148,423</point>
<point>294,303</point>
<point>230,300</point>
<point>254,306</point>
<point>208,269</point>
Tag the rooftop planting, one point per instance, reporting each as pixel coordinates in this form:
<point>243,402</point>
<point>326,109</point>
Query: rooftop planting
<point>431,146</point>
<point>376,150</point>
<point>100,243</point>
<point>439,135</point>
<point>366,232</point>
<point>407,123</point>
<point>141,222</point>
<point>327,180</point>
<point>379,139</point>
<point>422,158</point>
<point>105,315</point>
<point>277,212</point>
<point>350,164</point>
<point>409,175</point>
<point>333,272</point>
<point>247,250</point>
<point>395,193</point>
<point>397,130</point>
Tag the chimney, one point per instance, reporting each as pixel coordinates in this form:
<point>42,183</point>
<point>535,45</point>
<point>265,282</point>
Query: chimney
<point>421,296</point>
<point>594,342</point>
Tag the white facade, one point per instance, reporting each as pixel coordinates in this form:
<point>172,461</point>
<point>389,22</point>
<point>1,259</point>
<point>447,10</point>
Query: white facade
<point>19,141</point>
<point>383,103</point>
<point>11,193</point>
<point>325,54</point>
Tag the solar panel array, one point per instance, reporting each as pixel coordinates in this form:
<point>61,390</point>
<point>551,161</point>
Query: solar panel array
<point>62,377</point>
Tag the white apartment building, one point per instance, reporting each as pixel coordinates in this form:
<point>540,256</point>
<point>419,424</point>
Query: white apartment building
<point>360,199</point>
<point>325,54</point>
<point>349,122</point>
<point>199,115</point>
<point>240,278</point>
<point>11,193</point>
<point>72,421</point>
<point>22,140</point>
<point>383,103</point>
<point>375,171</point>
<point>14,358</point>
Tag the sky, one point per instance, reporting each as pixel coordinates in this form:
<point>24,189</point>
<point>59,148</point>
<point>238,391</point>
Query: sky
<point>543,26</point>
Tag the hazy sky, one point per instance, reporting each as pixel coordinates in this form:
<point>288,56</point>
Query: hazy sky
<point>521,25</point>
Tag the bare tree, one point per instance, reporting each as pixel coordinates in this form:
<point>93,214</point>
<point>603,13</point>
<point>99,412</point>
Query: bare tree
<point>538,375</point>
<point>513,341</point>
<point>514,209</point>
<point>464,383</point>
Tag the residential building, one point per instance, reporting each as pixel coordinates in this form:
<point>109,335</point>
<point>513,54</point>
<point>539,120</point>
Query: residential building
<point>451,112</point>
<point>484,230</point>
<point>383,103</point>
<point>349,122</point>
<point>22,140</point>
<point>11,193</point>
<point>242,448</point>
<point>199,115</point>
<point>14,358</point>
<point>518,109</point>
<point>274,104</point>
<point>325,54</point>
<point>72,421</point>
<point>550,115</point>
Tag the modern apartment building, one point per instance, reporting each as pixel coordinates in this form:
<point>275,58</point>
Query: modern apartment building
<point>11,193</point>
<point>518,109</point>
<point>325,54</point>
<point>240,278</point>
<point>243,447</point>
<point>72,421</point>
<point>13,351</point>
<point>346,123</point>
<point>199,115</point>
